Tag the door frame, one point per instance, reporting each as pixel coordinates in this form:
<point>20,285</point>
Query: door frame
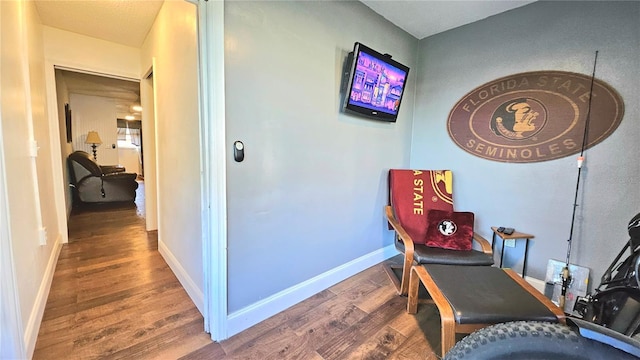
<point>213,165</point>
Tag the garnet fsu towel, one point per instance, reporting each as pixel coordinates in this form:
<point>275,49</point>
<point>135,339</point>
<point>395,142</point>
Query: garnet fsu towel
<point>413,192</point>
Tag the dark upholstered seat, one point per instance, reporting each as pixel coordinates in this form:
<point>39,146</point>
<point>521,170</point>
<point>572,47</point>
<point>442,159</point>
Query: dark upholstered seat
<point>423,254</point>
<point>487,295</point>
<point>469,298</point>
<point>96,184</point>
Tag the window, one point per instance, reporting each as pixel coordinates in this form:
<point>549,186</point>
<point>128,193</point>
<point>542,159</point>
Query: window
<point>129,133</point>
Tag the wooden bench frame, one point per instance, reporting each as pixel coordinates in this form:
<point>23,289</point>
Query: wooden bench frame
<point>448,325</point>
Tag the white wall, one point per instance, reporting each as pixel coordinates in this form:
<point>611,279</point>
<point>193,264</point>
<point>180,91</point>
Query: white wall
<point>24,118</point>
<point>70,50</point>
<point>172,44</point>
<point>308,199</point>
<point>95,113</point>
<point>537,198</point>
<point>83,52</point>
<point>129,157</point>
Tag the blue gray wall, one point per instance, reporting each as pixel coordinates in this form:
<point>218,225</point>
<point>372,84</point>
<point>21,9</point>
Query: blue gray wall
<point>309,195</point>
<point>538,198</point>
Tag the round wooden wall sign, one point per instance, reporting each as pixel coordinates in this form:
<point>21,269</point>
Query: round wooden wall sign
<point>534,116</point>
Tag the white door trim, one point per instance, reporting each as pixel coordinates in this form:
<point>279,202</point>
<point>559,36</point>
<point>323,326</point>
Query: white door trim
<point>57,161</point>
<point>213,166</point>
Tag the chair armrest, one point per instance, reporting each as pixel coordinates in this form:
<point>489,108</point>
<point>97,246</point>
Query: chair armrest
<point>409,250</point>
<point>109,169</point>
<point>484,244</point>
<point>120,176</point>
<point>402,233</point>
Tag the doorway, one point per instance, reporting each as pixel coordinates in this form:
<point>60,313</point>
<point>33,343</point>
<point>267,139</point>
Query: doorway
<point>105,109</point>
<point>206,249</point>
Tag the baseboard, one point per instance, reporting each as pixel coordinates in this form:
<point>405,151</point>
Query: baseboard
<point>263,309</point>
<point>35,318</point>
<point>196,295</point>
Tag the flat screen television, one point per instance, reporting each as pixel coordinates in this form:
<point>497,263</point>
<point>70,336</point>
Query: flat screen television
<point>375,84</point>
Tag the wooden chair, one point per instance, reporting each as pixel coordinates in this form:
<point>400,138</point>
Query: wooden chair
<point>435,192</point>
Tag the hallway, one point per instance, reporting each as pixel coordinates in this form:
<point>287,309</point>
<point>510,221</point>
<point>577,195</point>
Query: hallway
<point>113,295</point>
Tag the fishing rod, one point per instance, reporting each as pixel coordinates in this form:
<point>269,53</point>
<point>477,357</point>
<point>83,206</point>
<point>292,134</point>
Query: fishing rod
<point>566,275</point>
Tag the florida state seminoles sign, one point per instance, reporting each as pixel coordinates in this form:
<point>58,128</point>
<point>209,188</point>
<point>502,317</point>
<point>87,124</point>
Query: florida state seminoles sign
<point>534,116</point>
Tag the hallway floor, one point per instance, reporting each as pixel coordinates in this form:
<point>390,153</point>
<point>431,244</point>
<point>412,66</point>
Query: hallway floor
<point>114,297</point>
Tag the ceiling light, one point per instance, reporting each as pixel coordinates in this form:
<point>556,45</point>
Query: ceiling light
<point>136,108</point>
<point>130,117</point>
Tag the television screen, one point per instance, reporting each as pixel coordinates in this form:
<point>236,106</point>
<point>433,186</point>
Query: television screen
<point>376,84</point>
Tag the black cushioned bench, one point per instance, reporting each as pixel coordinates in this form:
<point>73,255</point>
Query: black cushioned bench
<point>472,297</point>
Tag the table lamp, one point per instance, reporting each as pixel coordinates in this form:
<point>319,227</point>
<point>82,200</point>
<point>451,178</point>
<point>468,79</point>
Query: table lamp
<point>94,139</point>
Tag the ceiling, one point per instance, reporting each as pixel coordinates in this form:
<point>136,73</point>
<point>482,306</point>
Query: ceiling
<point>128,22</point>
<point>424,18</point>
<point>125,93</point>
<point>122,22</point>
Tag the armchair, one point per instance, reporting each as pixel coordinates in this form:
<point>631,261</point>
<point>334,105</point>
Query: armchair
<point>413,195</point>
<point>93,183</point>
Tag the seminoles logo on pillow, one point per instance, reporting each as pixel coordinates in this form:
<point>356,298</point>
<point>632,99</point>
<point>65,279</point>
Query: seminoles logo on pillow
<point>447,227</point>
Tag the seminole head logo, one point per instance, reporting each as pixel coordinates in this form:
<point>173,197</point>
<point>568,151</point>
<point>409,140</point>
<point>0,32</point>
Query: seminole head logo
<point>519,118</point>
<point>447,227</point>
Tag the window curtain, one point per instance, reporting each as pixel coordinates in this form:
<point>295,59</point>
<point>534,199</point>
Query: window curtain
<point>122,129</point>
<point>134,131</point>
<point>133,128</point>
<point>135,136</point>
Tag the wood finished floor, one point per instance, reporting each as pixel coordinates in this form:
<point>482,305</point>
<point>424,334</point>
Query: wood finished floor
<point>114,297</point>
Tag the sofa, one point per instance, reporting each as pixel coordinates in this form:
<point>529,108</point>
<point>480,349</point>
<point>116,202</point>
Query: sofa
<point>93,183</point>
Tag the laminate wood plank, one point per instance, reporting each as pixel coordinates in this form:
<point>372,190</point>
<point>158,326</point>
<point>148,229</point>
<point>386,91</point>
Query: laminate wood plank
<point>422,331</point>
<point>375,299</point>
<point>360,292</point>
<point>281,343</point>
<point>113,261</point>
<point>89,312</point>
<point>206,352</point>
<point>372,274</point>
<point>114,297</point>
<point>240,340</point>
<point>93,326</point>
<point>158,338</point>
<point>407,324</point>
<point>364,329</point>
<point>209,351</point>
<point>182,342</point>
<point>379,346</point>
<point>326,324</point>
<point>122,299</point>
<point>379,274</point>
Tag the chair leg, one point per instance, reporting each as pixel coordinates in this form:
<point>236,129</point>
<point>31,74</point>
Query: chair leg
<point>448,331</point>
<point>414,284</point>
<point>392,276</point>
<point>406,273</point>
<point>447,319</point>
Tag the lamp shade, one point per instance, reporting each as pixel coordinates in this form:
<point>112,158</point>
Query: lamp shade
<point>93,138</point>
